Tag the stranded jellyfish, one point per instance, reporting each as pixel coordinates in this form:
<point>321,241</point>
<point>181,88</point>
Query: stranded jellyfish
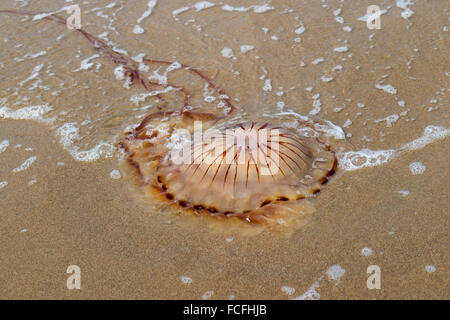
<point>202,160</point>
<point>257,172</point>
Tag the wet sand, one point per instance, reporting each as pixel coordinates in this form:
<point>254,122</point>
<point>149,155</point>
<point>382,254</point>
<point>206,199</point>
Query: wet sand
<point>62,211</point>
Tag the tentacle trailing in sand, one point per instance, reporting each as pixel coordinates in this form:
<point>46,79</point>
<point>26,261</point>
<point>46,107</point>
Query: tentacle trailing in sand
<point>132,68</point>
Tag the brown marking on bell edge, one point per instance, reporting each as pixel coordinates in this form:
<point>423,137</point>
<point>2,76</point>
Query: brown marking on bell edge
<point>213,210</point>
<point>169,196</point>
<point>315,191</point>
<point>333,169</point>
<point>182,203</point>
<point>300,197</point>
<point>199,207</point>
<point>323,181</point>
<point>164,187</point>
<point>281,198</point>
<point>265,202</point>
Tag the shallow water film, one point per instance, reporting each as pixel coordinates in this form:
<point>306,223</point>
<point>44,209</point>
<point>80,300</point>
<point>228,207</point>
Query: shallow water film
<point>79,78</point>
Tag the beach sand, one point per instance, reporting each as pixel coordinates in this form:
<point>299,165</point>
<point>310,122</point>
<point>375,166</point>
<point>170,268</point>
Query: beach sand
<point>60,210</point>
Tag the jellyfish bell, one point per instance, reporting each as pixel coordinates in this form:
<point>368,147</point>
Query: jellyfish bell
<point>256,172</point>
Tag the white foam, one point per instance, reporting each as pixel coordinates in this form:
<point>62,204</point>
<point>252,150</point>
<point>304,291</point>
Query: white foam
<point>138,29</point>
<point>430,134</point>
<point>318,60</point>
<point>186,279</point>
<point>115,174</point>
<point>311,293</point>
<point>369,15</point>
<point>3,184</point>
<point>208,294</point>
<point>404,4</point>
<point>150,5</point>
<point>68,134</point>
<point>404,193</point>
<point>300,30</point>
<point>33,76</point>
<point>317,105</point>
<point>347,123</point>
<point>267,85</point>
<point>341,49</point>
<point>203,5</point>
<point>355,160</point>
<point>386,88</point>
<point>26,113</point>
<point>366,252</point>
<point>347,29</point>
<point>288,290</point>
<point>389,120</point>
<point>31,56</point>
<point>330,130</point>
<point>417,168</point>
<point>256,8</point>
<point>25,165</point>
<point>335,273</point>
<point>246,48</point>
<point>86,64</point>
<point>430,269</point>
<point>4,145</point>
<point>180,10</point>
<point>227,53</point>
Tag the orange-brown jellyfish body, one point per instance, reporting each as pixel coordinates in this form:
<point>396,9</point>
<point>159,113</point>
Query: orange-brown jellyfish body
<point>235,172</point>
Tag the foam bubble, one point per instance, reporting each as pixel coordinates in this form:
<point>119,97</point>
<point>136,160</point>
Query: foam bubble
<point>386,88</point>
<point>227,53</point>
<point>186,279</point>
<point>3,184</point>
<point>417,168</point>
<point>288,290</point>
<point>369,15</point>
<point>354,160</point>
<point>404,4</point>
<point>335,273</point>
<point>115,174</point>
<point>366,251</point>
<point>4,145</point>
<point>389,120</point>
<point>341,49</point>
<point>267,85</point>
<point>208,294</point>
<point>300,30</point>
<point>138,29</point>
<point>86,64</point>
<point>26,113</point>
<point>430,269</point>
<point>203,5</point>
<point>246,48</point>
